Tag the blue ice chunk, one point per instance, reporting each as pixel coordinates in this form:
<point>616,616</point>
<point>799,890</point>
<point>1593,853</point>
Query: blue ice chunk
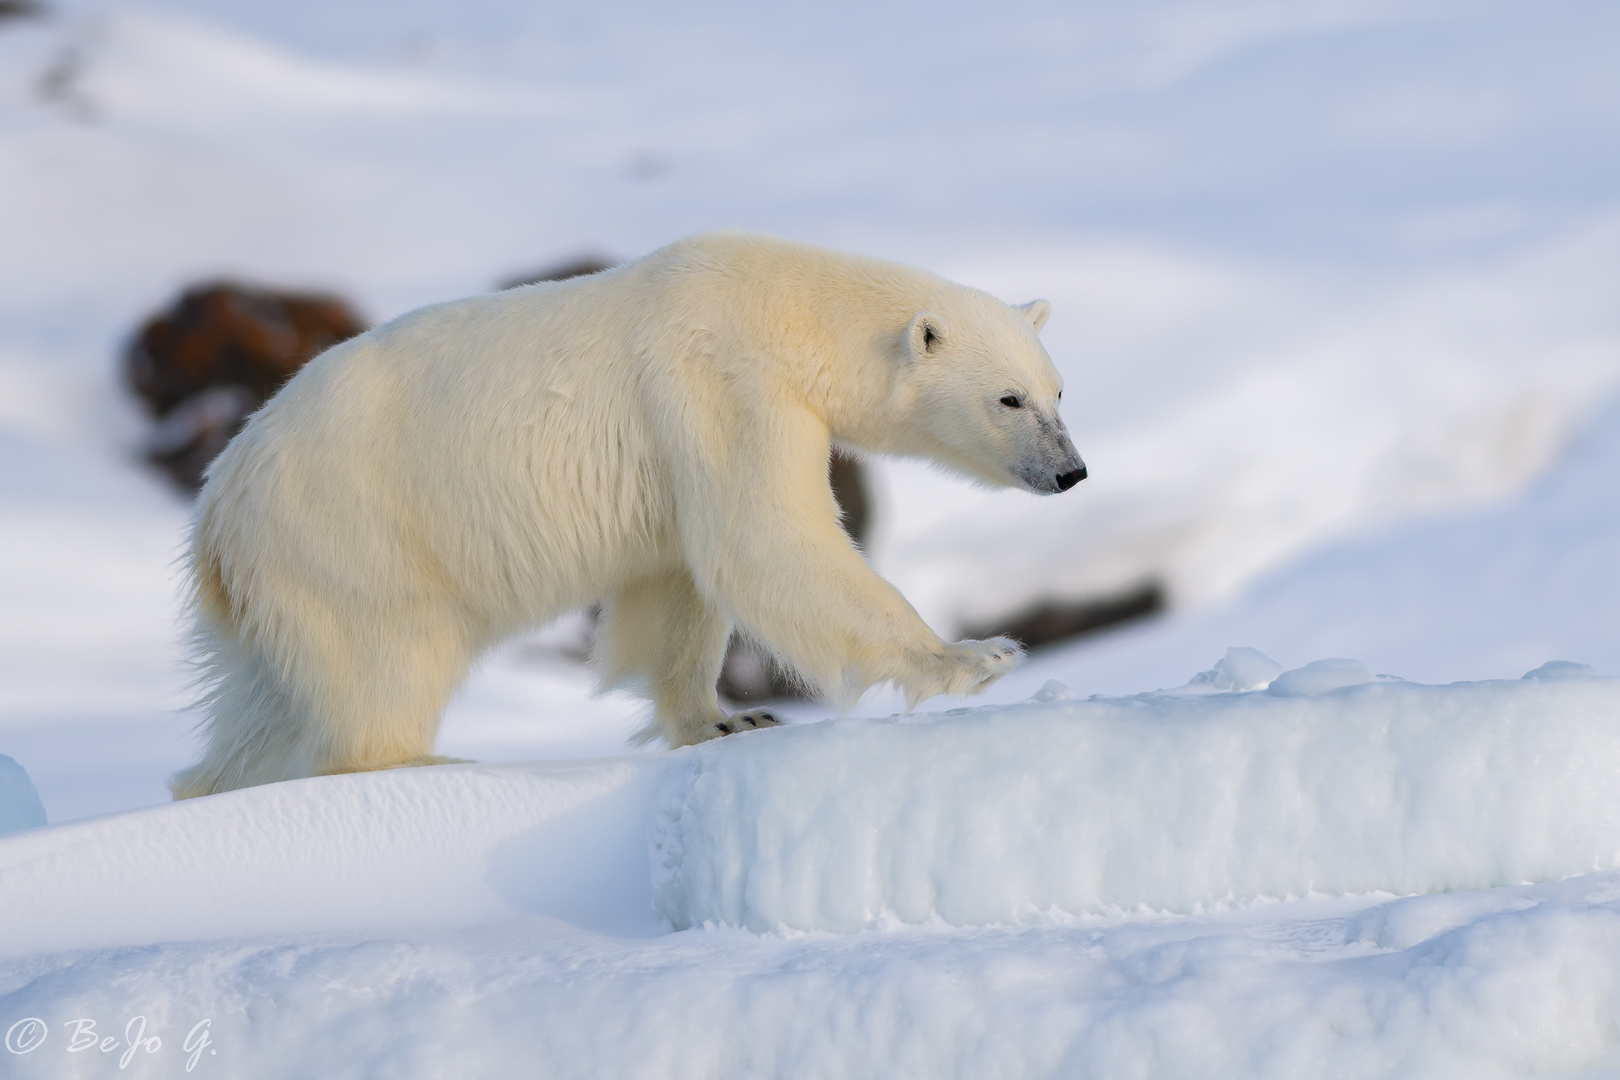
<point>20,807</point>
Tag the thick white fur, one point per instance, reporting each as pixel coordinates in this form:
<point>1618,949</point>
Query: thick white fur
<point>655,437</point>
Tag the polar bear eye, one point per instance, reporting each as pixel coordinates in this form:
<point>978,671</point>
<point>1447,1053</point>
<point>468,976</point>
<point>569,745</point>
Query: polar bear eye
<point>1012,402</point>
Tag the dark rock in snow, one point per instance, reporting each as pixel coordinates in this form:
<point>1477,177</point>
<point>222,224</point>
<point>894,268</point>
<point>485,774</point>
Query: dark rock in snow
<point>1052,621</point>
<point>21,9</point>
<point>573,268</point>
<point>854,498</point>
<point>202,366</point>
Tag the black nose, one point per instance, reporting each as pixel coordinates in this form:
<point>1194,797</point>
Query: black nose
<point>1067,480</point>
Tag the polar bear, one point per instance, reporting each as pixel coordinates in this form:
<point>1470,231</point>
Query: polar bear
<point>654,437</point>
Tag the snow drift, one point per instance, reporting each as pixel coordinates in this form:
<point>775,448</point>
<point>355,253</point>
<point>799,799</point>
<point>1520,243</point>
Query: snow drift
<point>1330,782</point>
<point>475,920</point>
<point>1161,801</point>
<point>448,846</point>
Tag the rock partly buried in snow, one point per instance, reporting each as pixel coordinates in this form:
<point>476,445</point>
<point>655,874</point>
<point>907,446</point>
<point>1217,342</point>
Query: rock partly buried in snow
<point>20,807</point>
<point>21,9</point>
<point>1050,621</point>
<point>1161,801</point>
<point>1561,669</point>
<point>218,353</point>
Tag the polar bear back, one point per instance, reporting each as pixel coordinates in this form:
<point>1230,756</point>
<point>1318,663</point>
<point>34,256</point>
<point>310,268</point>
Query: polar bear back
<point>481,447</point>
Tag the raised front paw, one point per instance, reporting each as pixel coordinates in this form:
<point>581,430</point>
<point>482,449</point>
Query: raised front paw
<point>977,664</point>
<point>747,720</point>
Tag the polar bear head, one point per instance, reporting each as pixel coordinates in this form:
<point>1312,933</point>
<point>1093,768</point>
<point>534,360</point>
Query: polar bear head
<point>982,395</point>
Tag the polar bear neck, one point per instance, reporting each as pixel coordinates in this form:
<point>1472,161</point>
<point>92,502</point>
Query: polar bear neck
<point>825,328</point>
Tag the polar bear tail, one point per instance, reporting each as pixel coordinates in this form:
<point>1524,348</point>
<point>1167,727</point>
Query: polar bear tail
<point>250,720</point>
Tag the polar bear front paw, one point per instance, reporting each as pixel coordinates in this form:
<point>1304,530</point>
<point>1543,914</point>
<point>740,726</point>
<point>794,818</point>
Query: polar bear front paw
<point>742,721</point>
<point>977,664</point>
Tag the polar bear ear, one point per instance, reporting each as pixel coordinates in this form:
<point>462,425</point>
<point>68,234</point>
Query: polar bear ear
<point>926,333</point>
<point>1036,312</point>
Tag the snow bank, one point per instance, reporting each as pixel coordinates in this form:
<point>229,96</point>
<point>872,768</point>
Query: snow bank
<point>488,921</point>
<point>1471,986</point>
<point>447,846</point>
<point>1330,782</point>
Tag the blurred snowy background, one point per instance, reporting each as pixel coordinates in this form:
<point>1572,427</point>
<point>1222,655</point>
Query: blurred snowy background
<point>1334,287</point>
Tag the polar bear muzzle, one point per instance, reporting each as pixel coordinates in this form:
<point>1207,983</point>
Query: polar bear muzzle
<point>1049,463</point>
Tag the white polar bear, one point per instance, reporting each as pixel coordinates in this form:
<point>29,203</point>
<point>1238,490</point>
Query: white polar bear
<point>656,437</point>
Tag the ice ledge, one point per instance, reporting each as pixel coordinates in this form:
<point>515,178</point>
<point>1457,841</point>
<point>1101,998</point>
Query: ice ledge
<point>1161,801</point>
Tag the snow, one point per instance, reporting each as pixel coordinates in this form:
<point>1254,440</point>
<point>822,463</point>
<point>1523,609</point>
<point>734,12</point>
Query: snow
<point>449,846</point>
<point>1486,593</point>
<point>1333,299</point>
<point>973,817</point>
<point>1164,885</point>
<point>1326,782</point>
<point>1477,986</point>
<point>1340,408</point>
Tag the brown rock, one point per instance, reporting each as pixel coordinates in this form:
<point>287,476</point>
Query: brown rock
<point>220,352</point>
<point>21,9</point>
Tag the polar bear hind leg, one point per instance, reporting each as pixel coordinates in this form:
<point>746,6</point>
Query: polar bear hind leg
<point>331,703</point>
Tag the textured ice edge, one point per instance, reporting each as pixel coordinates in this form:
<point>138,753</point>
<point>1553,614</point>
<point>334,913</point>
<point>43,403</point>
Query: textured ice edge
<point>1166,802</point>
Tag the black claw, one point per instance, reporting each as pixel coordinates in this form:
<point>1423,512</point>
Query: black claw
<point>725,729</point>
<point>766,716</point>
<point>749,720</point>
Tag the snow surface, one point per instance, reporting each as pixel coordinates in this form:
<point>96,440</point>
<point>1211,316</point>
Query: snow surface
<point>1490,592</point>
<point>1166,802</point>
<point>1165,885</point>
